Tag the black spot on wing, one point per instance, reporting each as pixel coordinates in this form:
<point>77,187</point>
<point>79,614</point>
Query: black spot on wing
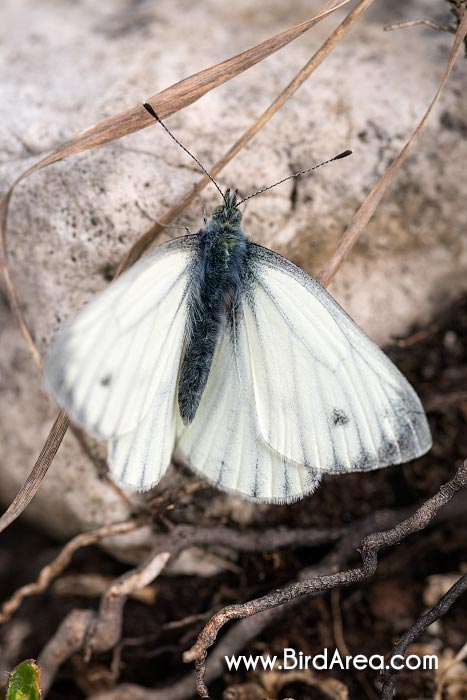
<point>339,417</point>
<point>105,381</point>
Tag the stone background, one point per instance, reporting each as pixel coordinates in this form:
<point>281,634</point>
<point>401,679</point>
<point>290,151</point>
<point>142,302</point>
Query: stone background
<point>68,65</point>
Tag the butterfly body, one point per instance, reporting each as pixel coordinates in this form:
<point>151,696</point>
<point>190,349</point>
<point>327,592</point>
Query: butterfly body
<point>217,275</point>
<point>231,355</point>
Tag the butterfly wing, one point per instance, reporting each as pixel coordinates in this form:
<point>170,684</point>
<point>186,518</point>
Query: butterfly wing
<point>325,395</point>
<point>222,442</point>
<point>138,459</point>
<point>120,356</point>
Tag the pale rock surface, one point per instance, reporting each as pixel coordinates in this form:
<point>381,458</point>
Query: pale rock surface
<point>68,65</point>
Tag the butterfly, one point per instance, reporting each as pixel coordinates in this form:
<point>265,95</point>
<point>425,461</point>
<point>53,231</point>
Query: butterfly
<point>228,354</point>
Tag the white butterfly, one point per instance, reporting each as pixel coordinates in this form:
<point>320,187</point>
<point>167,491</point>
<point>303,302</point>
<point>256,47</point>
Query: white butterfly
<point>230,354</point>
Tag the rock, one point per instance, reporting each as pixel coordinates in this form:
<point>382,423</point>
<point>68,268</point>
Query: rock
<point>75,64</point>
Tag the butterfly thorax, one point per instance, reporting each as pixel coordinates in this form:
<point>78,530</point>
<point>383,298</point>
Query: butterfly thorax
<point>216,277</point>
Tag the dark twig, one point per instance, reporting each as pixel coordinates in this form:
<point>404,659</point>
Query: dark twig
<point>441,608</point>
<point>370,547</point>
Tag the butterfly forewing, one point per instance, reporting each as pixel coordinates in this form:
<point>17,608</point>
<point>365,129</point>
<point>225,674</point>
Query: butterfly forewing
<point>116,360</point>
<point>325,395</point>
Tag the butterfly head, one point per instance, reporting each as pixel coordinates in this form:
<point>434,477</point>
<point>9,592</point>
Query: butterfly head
<point>228,211</point>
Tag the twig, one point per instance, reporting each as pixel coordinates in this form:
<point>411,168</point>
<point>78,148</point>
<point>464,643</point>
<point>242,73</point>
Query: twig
<point>421,20</point>
<point>55,568</point>
<point>100,632</point>
<point>95,585</point>
<point>441,608</point>
<point>67,640</point>
<point>181,536</point>
<point>370,547</point>
<point>107,630</point>
<point>247,629</point>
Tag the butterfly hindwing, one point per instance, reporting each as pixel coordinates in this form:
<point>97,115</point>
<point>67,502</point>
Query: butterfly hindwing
<point>139,459</point>
<point>223,443</point>
<point>325,395</point>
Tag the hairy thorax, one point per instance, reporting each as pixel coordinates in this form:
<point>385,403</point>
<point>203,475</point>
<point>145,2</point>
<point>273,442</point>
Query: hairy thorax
<point>216,278</point>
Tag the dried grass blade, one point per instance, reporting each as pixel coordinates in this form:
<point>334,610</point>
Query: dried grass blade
<point>38,472</point>
<point>9,284</point>
<point>368,207</point>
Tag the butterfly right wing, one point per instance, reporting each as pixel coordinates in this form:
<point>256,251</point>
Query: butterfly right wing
<point>120,356</point>
<point>325,394</point>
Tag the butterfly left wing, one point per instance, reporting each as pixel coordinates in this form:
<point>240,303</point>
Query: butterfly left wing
<point>222,442</point>
<point>325,395</point>
<point>138,459</point>
<point>109,365</point>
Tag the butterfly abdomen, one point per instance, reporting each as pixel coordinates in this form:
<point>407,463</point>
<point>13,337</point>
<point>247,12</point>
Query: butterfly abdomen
<point>213,292</point>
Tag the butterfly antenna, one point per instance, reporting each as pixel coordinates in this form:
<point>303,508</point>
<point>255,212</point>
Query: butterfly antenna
<point>151,111</point>
<point>344,154</point>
